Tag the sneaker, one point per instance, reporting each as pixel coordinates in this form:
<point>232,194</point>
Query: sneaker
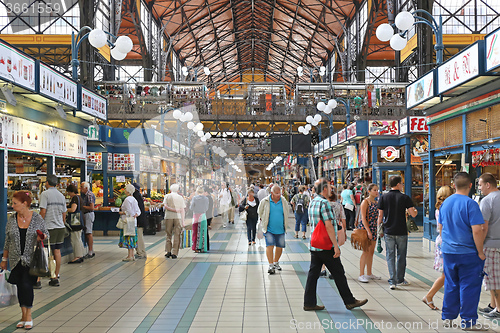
<point>404,283</point>
<point>89,256</point>
<point>37,285</point>
<point>168,255</point>
<point>392,286</point>
<point>363,278</point>
<point>277,266</point>
<point>224,226</point>
<point>447,323</point>
<point>174,256</point>
<point>271,270</point>
<point>373,277</point>
<point>494,314</point>
<point>54,282</point>
<point>323,273</point>
<point>356,304</point>
<point>487,309</point>
<point>314,308</point>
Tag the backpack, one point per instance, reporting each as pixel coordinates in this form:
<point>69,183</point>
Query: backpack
<point>300,204</point>
<point>358,194</point>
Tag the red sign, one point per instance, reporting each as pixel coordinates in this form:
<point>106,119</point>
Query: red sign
<point>418,125</point>
<point>351,131</point>
<point>390,153</point>
<point>342,136</point>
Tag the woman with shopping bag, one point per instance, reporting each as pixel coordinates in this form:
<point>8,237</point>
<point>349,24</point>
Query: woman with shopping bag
<point>20,239</point>
<point>129,212</point>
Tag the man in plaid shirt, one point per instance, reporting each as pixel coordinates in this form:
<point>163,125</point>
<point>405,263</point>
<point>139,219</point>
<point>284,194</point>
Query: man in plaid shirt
<point>320,210</point>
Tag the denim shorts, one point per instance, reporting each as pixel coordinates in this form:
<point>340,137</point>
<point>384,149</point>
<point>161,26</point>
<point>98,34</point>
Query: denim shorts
<point>275,240</point>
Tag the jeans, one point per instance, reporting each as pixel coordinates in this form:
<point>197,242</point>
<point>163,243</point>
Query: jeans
<point>251,228</point>
<point>350,216</point>
<point>334,265</point>
<point>392,244</point>
<point>301,219</point>
<point>462,286</point>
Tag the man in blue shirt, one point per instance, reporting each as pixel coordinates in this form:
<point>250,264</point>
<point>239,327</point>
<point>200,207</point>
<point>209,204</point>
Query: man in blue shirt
<point>273,211</point>
<point>463,258</point>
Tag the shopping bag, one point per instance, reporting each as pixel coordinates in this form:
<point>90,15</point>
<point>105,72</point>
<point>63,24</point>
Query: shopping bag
<point>8,292</point>
<point>52,263</point>
<point>186,239</point>
<point>260,232</point>
<point>379,245</point>
<point>40,261</point>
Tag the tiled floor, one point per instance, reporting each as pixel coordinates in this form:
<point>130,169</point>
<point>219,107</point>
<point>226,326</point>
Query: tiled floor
<point>227,290</point>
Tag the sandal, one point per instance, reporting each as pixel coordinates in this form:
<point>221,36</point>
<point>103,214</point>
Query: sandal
<point>296,236</point>
<point>429,304</point>
<point>303,237</point>
<point>20,324</point>
<point>28,323</point>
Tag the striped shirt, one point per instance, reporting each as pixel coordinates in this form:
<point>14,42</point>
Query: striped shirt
<point>55,204</point>
<point>320,210</point>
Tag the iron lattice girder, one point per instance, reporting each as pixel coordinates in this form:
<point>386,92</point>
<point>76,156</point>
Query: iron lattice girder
<point>254,33</point>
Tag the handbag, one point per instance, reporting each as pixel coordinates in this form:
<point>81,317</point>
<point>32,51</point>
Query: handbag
<point>129,226</point>
<point>40,262</point>
<point>341,237</point>
<point>320,238</point>
<point>349,206</point>
<point>359,237</point>
<point>243,215</point>
<point>186,239</point>
<point>260,232</point>
<point>121,223</point>
<point>75,219</point>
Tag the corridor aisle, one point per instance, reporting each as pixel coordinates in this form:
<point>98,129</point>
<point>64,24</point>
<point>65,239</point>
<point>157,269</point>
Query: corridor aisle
<point>227,290</point>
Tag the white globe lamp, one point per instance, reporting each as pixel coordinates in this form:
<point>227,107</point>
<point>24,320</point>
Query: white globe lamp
<point>200,133</point>
<point>317,118</point>
<point>206,70</point>
<point>190,125</point>
<point>301,129</point>
<point>327,109</point>
<point>309,119</point>
<point>177,114</point>
<point>397,42</point>
<point>124,44</point>
<point>307,127</point>
<point>384,32</point>
<point>321,106</point>
<point>199,127</point>
<point>97,38</point>
<point>117,55</point>
<point>404,21</point>
<point>188,116</point>
<point>332,104</point>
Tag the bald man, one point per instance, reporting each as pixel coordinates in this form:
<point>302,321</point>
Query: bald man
<point>273,212</point>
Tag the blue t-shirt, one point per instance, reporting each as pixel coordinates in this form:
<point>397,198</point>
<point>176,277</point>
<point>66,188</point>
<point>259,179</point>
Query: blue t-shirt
<point>276,223</point>
<point>458,214</point>
<point>346,197</point>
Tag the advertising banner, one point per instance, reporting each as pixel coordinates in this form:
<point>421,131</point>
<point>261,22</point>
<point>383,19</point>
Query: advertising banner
<point>16,67</point>
<point>58,87</point>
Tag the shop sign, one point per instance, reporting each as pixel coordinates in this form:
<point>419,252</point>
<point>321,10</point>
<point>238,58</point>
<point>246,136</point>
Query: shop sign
<point>95,158</point>
<point>93,104</point>
<point>403,126</point>
<point>462,67</point>
<point>93,133</point>
<point>321,147</point>
<point>167,142</point>
<point>492,50</point>
<point>123,162</point>
<point>419,146</point>
<point>420,90</point>
<point>351,131</point>
<point>333,140</point>
<point>16,67</point>
<point>352,157</point>
<point>158,139</point>
<point>175,146</point>
<point>326,144</point>
<point>383,127</point>
<point>120,179</point>
<point>418,125</point>
<point>70,144</point>
<point>28,136</point>
<point>341,136</point>
<point>363,153</point>
<point>484,158</point>
<point>390,153</point>
<point>57,86</point>
<point>183,150</point>
<point>3,105</point>
<point>316,148</point>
